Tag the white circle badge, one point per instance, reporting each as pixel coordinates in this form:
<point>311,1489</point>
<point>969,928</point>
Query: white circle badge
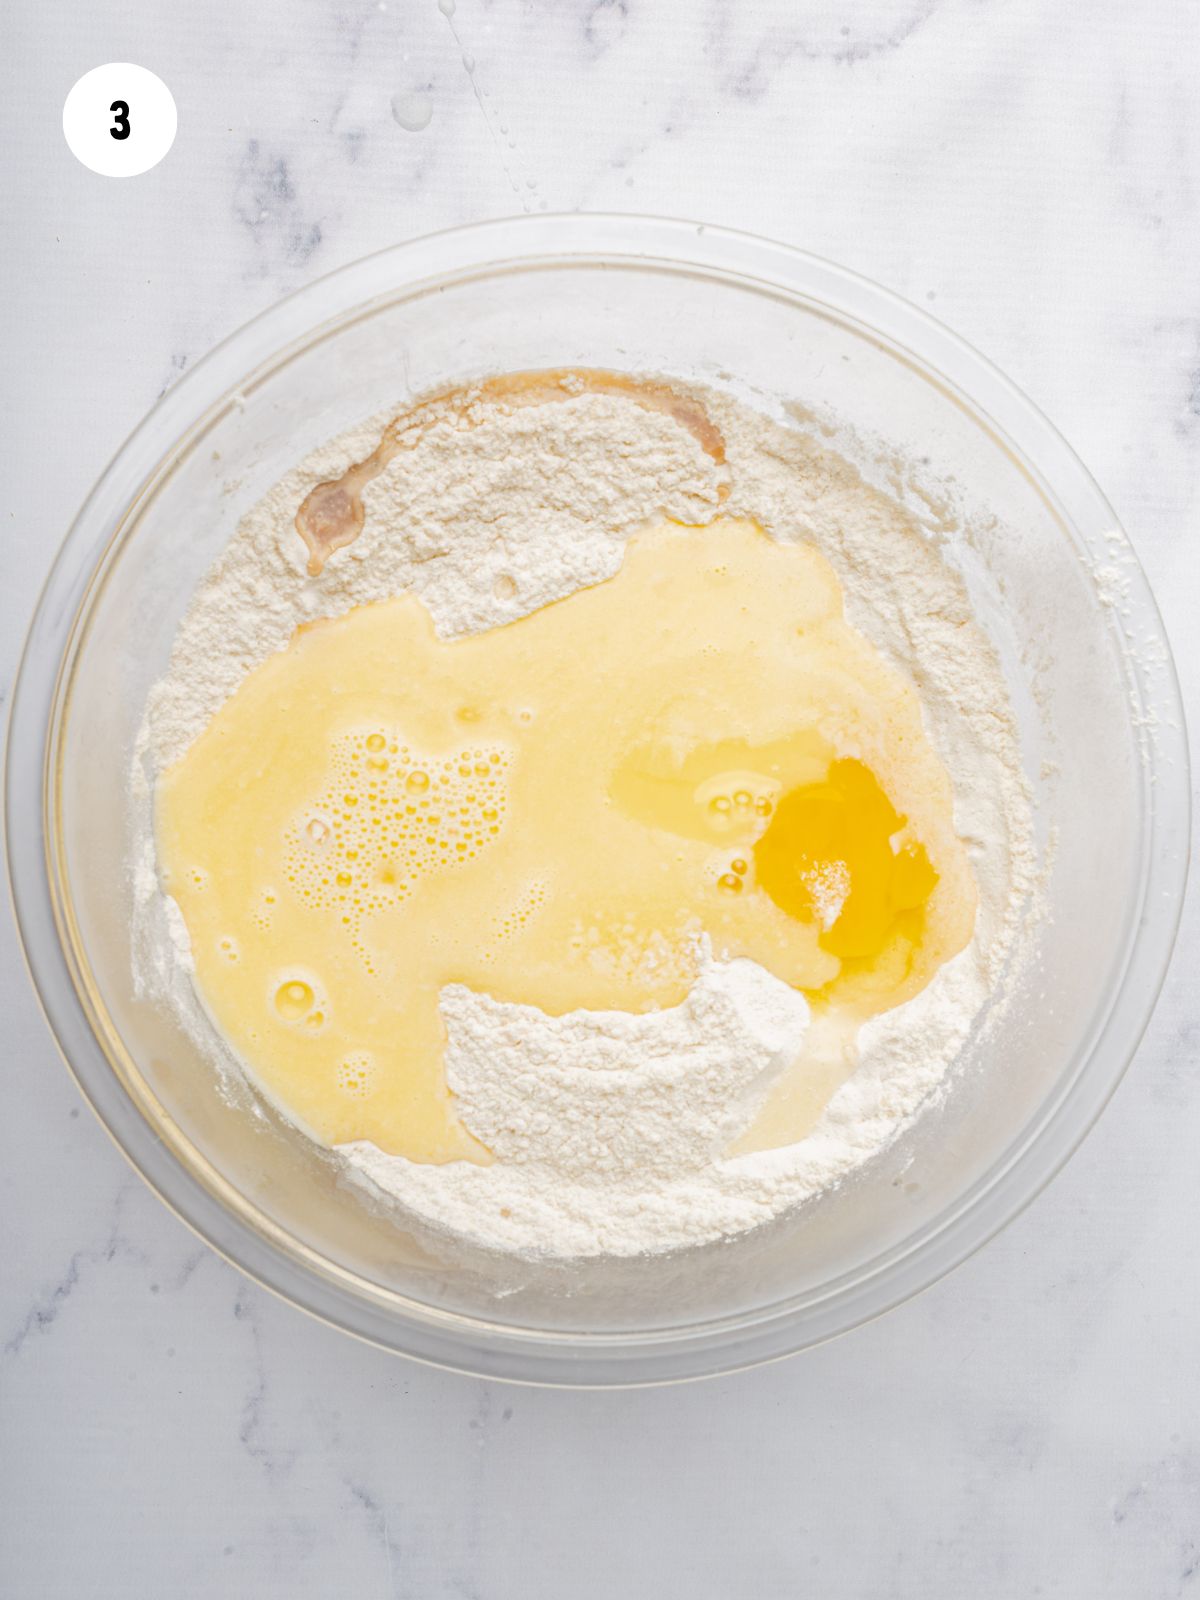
<point>120,120</point>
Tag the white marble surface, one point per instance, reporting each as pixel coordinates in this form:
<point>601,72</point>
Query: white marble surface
<point>1031,171</point>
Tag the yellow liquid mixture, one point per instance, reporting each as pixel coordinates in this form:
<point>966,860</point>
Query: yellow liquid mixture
<point>553,812</point>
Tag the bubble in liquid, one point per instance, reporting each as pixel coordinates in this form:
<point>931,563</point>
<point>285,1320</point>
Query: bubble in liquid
<point>376,742</point>
<point>730,883</point>
<point>720,804</point>
<point>316,831</point>
<point>293,1000</point>
<point>417,781</point>
<point>505,587</point>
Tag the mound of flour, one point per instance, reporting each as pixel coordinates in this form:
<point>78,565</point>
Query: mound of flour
<point>608,1128</point>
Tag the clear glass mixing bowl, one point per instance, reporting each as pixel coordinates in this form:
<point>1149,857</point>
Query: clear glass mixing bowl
<point>1056,586</point>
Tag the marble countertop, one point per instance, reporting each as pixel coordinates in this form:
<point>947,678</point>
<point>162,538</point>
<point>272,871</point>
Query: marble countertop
<point>1030,171</point>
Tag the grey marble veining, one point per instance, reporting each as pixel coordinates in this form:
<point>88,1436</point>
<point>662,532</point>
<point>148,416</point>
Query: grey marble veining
<point>1031,172</point>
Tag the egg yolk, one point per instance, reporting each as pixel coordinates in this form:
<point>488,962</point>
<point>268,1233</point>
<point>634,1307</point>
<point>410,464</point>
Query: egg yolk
<point>828,856</point>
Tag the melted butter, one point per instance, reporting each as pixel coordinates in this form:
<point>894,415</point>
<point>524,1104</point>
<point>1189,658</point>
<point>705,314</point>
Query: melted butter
<point>552,812</point>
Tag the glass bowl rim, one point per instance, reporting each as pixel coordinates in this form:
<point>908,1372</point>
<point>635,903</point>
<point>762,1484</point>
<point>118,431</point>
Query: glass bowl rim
<point>144,1133</point>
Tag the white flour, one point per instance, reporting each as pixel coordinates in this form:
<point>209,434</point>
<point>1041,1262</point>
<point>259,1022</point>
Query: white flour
<point>609,1128</point>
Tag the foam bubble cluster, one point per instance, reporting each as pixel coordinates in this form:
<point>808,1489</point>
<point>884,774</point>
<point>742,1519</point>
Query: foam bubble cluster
<point>390,817</point>
<point>527,905</point>
<point>356,1074</point>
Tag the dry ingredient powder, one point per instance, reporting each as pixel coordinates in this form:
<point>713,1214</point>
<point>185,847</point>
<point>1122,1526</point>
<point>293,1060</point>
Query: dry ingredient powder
<point>609,1128</point>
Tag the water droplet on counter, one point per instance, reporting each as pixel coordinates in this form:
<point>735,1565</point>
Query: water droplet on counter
<point>412,110</point>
